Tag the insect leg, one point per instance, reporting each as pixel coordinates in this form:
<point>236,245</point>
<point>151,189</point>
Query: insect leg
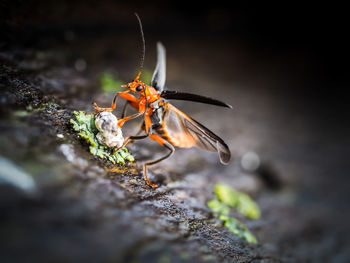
<point>131,139</point>
<point>124,109</point>
<point>164,143</point>
<point>122,121</point>
<point>142,108</point>
<point>130,98</point>
<point>142,128</point>
<point>137,104</point>
<point>97,108</point>
<point>147,130</point>
<point>127,96</point>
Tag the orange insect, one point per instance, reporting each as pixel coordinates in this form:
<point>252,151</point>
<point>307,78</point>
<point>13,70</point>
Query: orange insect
<point>163,122</point>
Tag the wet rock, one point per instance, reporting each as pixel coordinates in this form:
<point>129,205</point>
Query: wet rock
<point>15,176</point>
<point>88,213</point>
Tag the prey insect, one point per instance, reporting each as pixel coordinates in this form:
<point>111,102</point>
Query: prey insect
<point>163,122</point>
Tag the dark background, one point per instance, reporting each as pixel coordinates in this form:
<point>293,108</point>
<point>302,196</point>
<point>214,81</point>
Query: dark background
<point>307,39</point>
<point>283,67</point>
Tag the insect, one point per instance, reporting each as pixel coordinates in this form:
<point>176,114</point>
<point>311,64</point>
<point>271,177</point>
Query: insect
<point>163,122</point>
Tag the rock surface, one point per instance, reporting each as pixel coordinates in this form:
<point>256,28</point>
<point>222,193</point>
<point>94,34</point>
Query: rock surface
<point>79,212</point>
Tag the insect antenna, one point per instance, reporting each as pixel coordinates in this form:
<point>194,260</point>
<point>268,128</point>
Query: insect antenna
<point>143,42</point>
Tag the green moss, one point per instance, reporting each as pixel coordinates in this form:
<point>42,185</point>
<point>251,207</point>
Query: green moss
<point>218,207</point>
<point>164,259</point>
<point>84,124</point>
<point>241,201</point>
<point>227,198</point>
<point>109,83</point>
<point>146,76</point>
<point>238,228</point>
<point>29,110</point>
<point>20,113</point>
<point>226,194</point>
<point>184,255</point>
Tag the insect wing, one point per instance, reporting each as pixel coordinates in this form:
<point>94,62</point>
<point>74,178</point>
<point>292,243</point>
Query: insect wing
<point>176,95</point>
<point>159,74</point>
<point>183,131</point>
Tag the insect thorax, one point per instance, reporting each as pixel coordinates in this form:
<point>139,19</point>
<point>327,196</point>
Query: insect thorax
<point>157,113</point>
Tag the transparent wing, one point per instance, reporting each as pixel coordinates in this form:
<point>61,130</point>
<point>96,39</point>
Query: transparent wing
<point>183,131</point>
<point>159,74</point>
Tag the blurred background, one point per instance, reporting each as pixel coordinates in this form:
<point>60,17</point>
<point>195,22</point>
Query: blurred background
<point>282,66</point>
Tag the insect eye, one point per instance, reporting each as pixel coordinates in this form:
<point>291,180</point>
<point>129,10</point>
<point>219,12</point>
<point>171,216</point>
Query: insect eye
<point>138,88</point>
